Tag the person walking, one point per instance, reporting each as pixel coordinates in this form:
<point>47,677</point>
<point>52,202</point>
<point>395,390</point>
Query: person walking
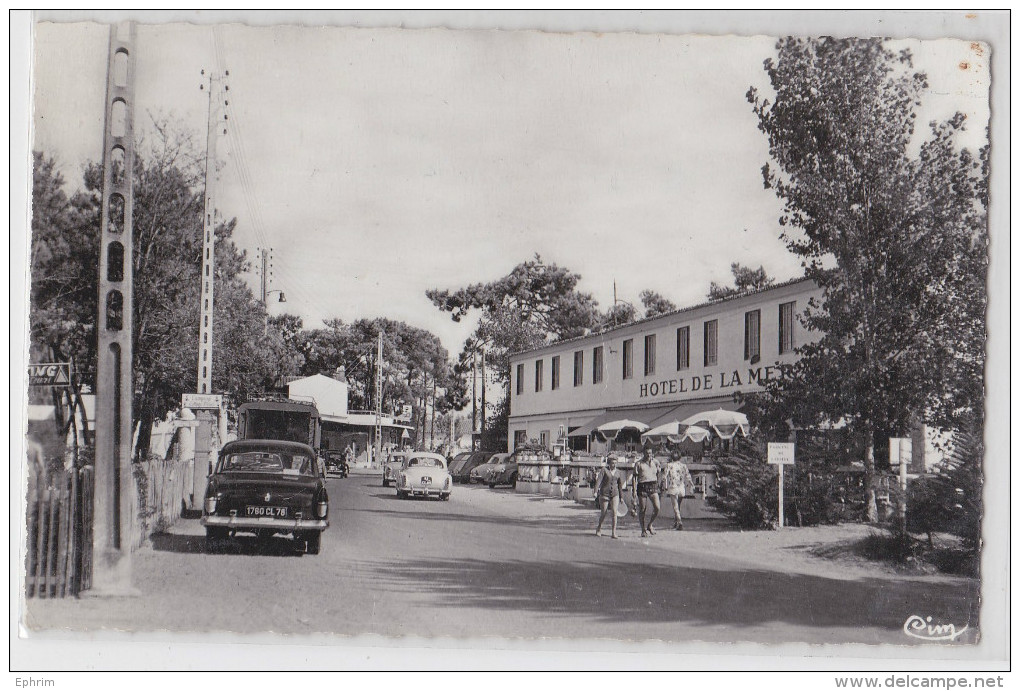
<point>678,483</point>
<point>608,491</point>
<point>646,483</point>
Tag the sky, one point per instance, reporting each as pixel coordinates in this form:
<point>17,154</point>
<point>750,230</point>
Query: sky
<point>379,163</point>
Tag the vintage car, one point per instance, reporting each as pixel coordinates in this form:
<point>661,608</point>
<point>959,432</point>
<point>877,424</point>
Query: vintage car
<point>474,459</point>
<point>424,474</point>
<point>503,471</point>
<point>480,473</point>
<point>266,487</point>
<point>457,462</point>
<point>336,464</point>
<point>391,468</point>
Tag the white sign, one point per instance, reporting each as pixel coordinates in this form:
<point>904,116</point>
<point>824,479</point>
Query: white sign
<point>405,413</point>
<point>202,401</point>
<point>781,453</point>
<point>900,451</point>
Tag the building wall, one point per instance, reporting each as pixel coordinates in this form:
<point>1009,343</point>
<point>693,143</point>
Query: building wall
<point>533,412</point>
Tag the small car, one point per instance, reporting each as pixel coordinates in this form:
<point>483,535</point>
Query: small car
<point>457,462</point>
<point>424,474</point>
<point>336,464</point>
<point>480,473</point>
<point>503,471</point>
<point>266,487</point>
<point>475,459</point>
<point>391,468</point>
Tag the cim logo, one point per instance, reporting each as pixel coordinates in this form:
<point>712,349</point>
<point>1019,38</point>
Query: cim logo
<point>49,374</point>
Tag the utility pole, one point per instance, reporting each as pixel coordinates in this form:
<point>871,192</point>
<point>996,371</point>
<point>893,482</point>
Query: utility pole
<point>378,401</point>
<point>484,382</point>
<point>432,431</point>
<point>114,508</point>
<point>205,332</point>
<point>474,400</point>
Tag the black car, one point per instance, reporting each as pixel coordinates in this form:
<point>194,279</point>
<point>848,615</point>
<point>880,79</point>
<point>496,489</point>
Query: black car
<point>336,464</point>
<point>462,473</point>
<point>266,487</point>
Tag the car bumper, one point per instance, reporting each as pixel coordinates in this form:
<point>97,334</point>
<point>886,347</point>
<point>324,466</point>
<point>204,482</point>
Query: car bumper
<point>245,523</point>
<point>424,491</point>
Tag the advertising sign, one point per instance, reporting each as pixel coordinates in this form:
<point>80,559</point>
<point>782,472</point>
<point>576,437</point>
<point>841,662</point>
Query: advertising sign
<point>49,374</point>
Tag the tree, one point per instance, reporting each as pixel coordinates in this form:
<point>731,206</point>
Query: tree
<point>891,228</point>
<point>745,280</point>
<point>167,259</point>
<point>655,304</point>
<point>535,303</point>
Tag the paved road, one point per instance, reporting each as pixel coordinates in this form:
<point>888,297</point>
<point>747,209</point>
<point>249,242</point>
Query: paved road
<point>494,563</point>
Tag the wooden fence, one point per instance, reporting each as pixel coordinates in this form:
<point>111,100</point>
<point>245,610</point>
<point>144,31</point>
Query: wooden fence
<point>59,555</point>
<point>162,489</point>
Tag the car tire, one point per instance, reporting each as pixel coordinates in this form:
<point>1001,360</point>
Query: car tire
<point>513,480</point>
<point>492,485</point>
<point>214,539</point>
<point>446,497</point>
<point>313,542</point>
<point>385,483</point>
<point>401,495</point>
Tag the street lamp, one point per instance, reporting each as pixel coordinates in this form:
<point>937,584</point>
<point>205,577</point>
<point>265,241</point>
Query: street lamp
<point>265,296</point>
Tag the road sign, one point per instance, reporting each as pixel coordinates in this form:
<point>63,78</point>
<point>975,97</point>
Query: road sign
<point>202,401</point>
<point>49,374</point>
<point>781,453</point>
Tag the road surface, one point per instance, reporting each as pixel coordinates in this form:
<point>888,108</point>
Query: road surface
<point>492,563</point>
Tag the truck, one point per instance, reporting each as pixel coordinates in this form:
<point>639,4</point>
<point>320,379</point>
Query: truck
<point>284,419</point>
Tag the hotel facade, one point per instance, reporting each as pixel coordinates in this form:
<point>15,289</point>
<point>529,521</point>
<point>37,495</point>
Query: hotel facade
<point>658,369</point>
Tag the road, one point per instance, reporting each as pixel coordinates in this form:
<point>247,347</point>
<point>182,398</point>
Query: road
<point>495,563</point>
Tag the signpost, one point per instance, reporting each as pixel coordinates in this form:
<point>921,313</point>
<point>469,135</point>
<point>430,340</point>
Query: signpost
<point>900,453</point>
<point>781,455</point>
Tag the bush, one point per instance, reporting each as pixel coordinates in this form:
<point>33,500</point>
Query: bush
<point>748,489</point>
<point>949,500</point>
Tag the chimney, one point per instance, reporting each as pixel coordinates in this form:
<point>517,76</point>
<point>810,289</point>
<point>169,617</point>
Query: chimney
<point>340,374</point>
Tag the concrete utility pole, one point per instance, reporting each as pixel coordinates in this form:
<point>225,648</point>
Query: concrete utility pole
<point>432,430</point>
<point>474,399</point>
<point>114,485</point>
<point>484,382</point>
<point>378,401</point>
<point>205,334</point>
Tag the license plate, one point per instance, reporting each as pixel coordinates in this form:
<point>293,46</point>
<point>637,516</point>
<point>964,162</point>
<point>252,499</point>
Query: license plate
<point>426,480</point>
<point>267,511</point>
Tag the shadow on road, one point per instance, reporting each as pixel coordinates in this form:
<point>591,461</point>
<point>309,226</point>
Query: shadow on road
<point>275,546</point>
<point>655,593</point>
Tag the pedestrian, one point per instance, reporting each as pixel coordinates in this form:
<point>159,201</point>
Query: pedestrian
<point>677,483</point>
<point>646,483</point>
<point>608,491</point>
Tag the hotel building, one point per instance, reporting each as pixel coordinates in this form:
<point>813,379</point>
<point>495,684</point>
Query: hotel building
<point>658,369</point>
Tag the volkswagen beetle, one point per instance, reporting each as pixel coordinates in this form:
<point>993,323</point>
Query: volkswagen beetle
<point>266,487</point>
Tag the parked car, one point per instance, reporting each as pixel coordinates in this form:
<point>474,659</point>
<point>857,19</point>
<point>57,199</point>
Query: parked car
<point>503,471</point>
<point>424,474</point>
<point>457,462</point>
<point>391,468</point>
<point>475,459</point>
<point>266,487</point>
<point>480,473</point>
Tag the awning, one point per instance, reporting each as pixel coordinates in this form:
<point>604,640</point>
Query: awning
<point>652,416</point>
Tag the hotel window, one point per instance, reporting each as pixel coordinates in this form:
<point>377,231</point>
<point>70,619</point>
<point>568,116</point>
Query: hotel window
<point>628,358</point>
<point>786,327</point>
<point>649,354</point>
<point>556,372</point>
<point>578,368</point>
<point>596,365</point>
<point>711,342</point>
<point>538,375</point>
<point>752,336</point>
<point>683,347</point>
<point>520,379</point>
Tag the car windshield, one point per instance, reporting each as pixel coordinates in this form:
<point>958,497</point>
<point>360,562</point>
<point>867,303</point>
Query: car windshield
<point>267,462</point>
<point>425,463</point>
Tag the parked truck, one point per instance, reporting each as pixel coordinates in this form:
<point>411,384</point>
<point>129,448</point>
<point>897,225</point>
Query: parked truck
<point>285,419</point>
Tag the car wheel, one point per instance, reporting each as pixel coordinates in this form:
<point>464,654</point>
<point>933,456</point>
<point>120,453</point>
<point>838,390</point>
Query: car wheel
<point>313,541</point>
<point>513,480</point>
<point>401,495</point>
<point>385,483</point>
<point>492,485</point>
<point>214,538</point>
<point>446,497</point>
